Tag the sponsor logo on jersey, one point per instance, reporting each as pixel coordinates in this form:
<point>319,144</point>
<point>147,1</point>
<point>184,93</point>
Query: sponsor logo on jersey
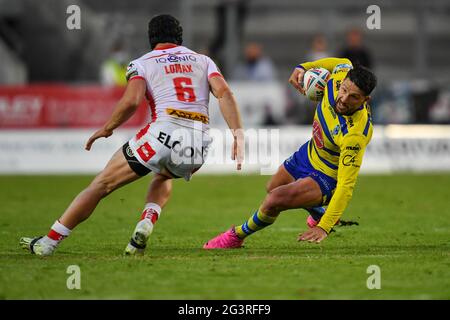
<point>355,149</point>
<point>182,152</point>
<point>129,152</point>
<point>335,130</point>
<point>190,115</point>
<point>172,58</point>
<point>165,139</point>
<point>350,122</point>
<point>349,160</point>
<point>317,134</point>
<point>176,58</point>
<point>342,67</point>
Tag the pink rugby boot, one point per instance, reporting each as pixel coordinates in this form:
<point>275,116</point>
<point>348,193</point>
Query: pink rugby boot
<point>311,222</point>
<point>226,240</point>
<point>315,214</point>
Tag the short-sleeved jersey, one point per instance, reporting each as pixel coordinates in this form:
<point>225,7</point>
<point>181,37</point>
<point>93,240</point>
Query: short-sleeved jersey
<point>177,83</point>
<point>339,141</point>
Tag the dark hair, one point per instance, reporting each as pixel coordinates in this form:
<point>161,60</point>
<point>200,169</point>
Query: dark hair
<point>164,28</point>
<point>363,78</point>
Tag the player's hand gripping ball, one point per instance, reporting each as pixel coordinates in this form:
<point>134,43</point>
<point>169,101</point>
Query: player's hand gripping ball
<point>314,82</point>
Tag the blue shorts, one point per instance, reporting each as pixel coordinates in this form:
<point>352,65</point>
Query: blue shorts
<point>298,166</point>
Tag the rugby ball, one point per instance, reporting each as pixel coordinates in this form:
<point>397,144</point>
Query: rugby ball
<point>314,82</point>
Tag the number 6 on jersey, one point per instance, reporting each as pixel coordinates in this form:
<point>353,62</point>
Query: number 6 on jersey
<point>184,93</point>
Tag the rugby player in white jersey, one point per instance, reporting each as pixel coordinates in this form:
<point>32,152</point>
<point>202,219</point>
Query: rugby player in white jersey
<point>176,81</point>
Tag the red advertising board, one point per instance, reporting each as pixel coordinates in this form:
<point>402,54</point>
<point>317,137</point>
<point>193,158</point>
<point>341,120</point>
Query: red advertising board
<point>62,106</point>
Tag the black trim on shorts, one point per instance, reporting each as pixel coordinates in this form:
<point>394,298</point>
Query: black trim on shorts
<point>173,174</point>
<point>134,164</point>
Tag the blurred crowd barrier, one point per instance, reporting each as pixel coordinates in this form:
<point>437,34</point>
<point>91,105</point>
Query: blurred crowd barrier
<point>43,129</point>
<point>262,104</point>
<point>412,101</point>
<point>61,106</point>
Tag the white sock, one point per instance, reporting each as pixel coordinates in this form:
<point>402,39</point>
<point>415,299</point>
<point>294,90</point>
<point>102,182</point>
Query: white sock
<point>49,241</point>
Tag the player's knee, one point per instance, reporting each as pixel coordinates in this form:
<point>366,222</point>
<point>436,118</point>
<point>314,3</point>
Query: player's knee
<point>108,188</point>
<point>102,186</point>
<point>268,206</point>
<point>273,202</point>
<point>282,198</point>
<point>100,189</point>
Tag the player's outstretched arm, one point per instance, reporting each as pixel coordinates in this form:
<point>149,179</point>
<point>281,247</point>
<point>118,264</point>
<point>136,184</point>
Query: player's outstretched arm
<point>350,160</point>
<point>230,112</point>
<point>125,108</point>
<point>326,63</point>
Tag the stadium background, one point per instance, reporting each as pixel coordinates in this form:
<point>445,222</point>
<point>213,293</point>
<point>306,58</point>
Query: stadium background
<point>52,99</point>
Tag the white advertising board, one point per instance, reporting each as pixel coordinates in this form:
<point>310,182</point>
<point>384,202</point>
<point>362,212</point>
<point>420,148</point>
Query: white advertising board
<point>392,149</point>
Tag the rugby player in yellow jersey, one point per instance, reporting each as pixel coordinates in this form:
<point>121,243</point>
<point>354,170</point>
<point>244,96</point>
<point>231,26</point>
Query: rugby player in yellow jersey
<point>321,175</point>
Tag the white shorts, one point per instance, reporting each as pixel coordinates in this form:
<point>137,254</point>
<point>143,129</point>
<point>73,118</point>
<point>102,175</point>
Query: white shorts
<point>164,146</point>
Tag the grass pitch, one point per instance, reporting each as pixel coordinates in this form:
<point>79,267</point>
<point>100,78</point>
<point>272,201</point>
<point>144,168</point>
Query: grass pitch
<point>404,228</point>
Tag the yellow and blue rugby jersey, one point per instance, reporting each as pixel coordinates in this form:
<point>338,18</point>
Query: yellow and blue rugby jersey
<point>338,143</point>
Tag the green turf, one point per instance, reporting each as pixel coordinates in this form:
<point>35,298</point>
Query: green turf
<point>404,229</point>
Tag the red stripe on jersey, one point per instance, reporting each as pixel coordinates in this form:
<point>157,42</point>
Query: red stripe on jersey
<point>151,103</point>
<point>160,55</point>
<point>143,131</point>
<point>214,74</point>
<point>136,77</point>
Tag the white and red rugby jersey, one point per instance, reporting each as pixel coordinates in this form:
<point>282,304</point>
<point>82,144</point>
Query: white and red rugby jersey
<point>177,79</point>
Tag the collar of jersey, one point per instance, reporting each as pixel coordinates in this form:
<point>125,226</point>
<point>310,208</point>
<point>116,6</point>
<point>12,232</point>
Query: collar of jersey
<point>360,108</point>
<point>166,46</point>
<point>354,112</point>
